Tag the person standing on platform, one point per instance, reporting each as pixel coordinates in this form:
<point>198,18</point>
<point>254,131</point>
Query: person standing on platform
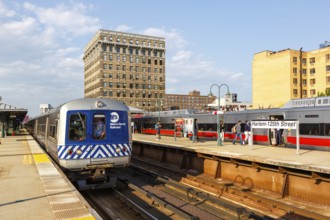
<point>195,132</point>
<point>278,136</point>
<point>238,133</point>
<point>157,127</point>
<point>247,133</point>
<point>222,130</point>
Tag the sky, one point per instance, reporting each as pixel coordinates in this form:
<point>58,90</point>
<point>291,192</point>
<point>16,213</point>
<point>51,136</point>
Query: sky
<point>207,42</point>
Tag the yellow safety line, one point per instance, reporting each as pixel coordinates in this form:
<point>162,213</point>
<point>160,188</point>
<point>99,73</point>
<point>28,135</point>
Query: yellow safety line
<point>40,158</point>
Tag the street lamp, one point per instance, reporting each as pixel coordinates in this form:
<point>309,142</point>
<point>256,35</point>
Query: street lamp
<point>219,142</point>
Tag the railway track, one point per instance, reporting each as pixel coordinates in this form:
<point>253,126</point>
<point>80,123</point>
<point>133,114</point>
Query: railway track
<point>217,191</point>
<point>150,190</point>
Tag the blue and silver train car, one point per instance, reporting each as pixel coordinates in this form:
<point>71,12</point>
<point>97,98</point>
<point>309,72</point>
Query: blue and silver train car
<point>89,138</point>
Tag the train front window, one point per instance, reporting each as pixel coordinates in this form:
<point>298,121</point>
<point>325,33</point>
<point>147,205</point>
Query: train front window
<point>77,127</point>
<point>99,132</point>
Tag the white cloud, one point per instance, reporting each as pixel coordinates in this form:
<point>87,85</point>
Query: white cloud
<point>123,28</point>
<point>37,61</point>
<point>5,12</point>
<point>67,20</point>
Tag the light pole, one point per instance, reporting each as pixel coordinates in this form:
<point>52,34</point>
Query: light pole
<point>219,142</point>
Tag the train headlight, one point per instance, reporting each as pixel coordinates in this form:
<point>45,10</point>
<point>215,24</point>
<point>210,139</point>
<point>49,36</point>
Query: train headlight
<point>78,152</point>
<point>117,149</point>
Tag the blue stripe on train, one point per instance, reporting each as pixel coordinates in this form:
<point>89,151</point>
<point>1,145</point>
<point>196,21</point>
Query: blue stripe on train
<point>93,151</point>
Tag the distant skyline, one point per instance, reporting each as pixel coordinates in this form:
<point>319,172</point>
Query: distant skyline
<point>207,42</point>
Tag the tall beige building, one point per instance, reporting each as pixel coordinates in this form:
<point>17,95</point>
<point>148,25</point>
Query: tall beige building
<point>288,74</point>
<point>126,67</point>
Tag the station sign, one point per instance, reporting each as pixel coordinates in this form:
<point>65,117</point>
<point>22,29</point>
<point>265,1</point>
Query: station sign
<point>275,124</point>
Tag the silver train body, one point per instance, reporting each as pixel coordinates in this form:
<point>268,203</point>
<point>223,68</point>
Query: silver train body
<point>89,138</point>
<point>313,115</point>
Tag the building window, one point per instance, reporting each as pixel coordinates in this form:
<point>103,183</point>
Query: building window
<point>110,57</point>
<point>104,48</point>
<point>110,84</point>
<point>312,60</point>
<point>131,59</point>
<point>105,93</point>
<point>143,52</point>
<point>124,50</point>
<point>130,51</point>
<point>110,75</point>
<point>295,70</point>
<point>137,69</point>
<point>327,68</point>
<point>104,84</point>
<point>136,60</point>
<point>124,40</point>
<point>149,69</point>
<point>160,62</point>
<point>155,53</point>
<point>110,93</point>
<point>304,71</point>
<point>104,66</point>
<point>304,92</point>
<point>118,58</point>
<point>104,57</point>
<point>118,84</point>
<point>105,75</point>
<point>124,67</point>
<point>295,81</point>
<point>312,71</point>
<point>328,79</point>
<point>118,49</point>
<point>156,62</point>
<point>312,81</point>
<point>312,92</point>
<point>118,67</point>
<point>295,59</point>
<point>124,58</point>
<point>137,51</point>
<point>130,68</point>
<point>304,81</point>
<point>303,60</point>
<point>327,57</point>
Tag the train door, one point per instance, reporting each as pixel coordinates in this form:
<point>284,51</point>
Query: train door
<point>272,131</point>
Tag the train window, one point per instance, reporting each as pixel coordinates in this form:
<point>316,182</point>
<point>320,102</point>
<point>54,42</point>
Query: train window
<point>327,129</point>
<point>77,127</point>
<point>309,129</point>
<point>99,127</point>
<point>52,131</point>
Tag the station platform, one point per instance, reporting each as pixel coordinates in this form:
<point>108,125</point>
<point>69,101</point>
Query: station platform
<point>32,187</point>
<point>309,160</point>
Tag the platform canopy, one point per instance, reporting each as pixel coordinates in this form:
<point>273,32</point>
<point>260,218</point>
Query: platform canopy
<point>10,112</point>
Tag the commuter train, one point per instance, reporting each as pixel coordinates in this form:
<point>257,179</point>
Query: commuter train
<point>313,115</point>
<point>89,138</point>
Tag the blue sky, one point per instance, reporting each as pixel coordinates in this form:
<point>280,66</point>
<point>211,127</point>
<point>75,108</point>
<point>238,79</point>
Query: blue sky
<point>210,41</point>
